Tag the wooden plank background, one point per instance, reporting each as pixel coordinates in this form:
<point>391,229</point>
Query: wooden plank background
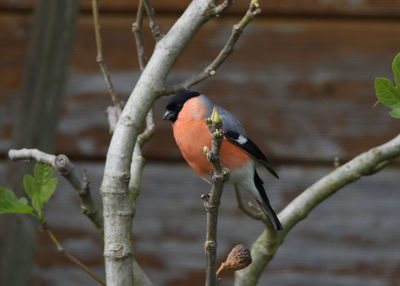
<point>303,88</point>
<point>317,8</point>
<point>352,239</point>
<point>301,82</point>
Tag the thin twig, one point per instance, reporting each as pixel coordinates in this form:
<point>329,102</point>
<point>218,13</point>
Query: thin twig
<point>99,57</point>
<point>212,201</point>
<point>210,70</point>
<point>222,7</point>
<point>155,29</point>
<point>113,112</point>
<point>70,257</point>
<point>137,32</point>
<point>138,160</point>
<point>63,165</point>
<point>249,212</point>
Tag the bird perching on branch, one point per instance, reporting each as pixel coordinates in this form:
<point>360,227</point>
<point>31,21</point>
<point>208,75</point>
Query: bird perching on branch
<point>188,112</point>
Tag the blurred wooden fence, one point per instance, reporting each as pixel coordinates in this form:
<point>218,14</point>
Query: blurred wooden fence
<point>300,80</point>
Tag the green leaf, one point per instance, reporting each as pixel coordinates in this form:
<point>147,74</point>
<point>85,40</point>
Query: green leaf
<point>41,187</point>
<point>396,69</point>
<point>395,112</point>
<point>386,92</point>
<point>29,183</point>
<point>10,204</point>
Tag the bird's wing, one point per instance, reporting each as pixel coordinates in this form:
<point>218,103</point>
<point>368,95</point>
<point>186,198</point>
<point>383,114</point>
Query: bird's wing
<point>250,148</point>
<point>230,122</point>
<point>235,133</point>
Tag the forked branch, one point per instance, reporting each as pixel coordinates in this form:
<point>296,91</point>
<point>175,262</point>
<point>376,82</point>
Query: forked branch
<point>64,166</point>
<point>210,70</point>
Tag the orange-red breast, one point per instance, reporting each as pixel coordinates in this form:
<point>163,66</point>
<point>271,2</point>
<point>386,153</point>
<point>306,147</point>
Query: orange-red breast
<point>188,111</point>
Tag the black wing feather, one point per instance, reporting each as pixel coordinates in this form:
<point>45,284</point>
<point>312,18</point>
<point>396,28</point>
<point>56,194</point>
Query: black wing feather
<point>250,148</point>
<point>265,205</point>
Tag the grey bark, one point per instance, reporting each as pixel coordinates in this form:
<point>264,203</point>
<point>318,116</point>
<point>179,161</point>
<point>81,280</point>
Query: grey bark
<point>116,202</point>
<point>37,111</point>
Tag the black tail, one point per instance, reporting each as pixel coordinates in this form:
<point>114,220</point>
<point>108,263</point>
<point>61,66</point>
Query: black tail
<point>265,205</point>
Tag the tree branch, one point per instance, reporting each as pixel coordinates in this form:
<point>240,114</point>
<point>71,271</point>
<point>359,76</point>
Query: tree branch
<point>70,257</point>
<point>155,29</point>
<point>116,199</point>
<point>113,112</point>
<point>137,32</point>
<point>63,165</point>
<point>212,201</point>
<point>265,247</point>
<point>253,10</point>
<point>138,161</point>
<point>223,6</point>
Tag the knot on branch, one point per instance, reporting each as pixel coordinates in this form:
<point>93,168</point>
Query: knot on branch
<point>222,177</point>
<point>210,244</point>
<point>63,165</point>
<point>117,251</point>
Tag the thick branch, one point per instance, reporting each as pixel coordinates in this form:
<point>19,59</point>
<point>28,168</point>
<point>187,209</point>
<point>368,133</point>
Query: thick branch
<point>265,247</point>
<point>224,53</point>
<point>212,201</point>
<point>114,189</point>
<point>63,165</point>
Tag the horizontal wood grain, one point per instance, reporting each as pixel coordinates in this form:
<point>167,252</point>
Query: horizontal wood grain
<point>351,239</point>
<point>272,7</point>
<point>302,88</point>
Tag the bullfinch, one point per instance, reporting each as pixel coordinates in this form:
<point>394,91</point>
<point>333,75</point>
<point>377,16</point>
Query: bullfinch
<point>188,112</point>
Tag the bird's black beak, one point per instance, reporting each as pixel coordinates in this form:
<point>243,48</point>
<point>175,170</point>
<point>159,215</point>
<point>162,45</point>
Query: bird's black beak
<point>168,115</point>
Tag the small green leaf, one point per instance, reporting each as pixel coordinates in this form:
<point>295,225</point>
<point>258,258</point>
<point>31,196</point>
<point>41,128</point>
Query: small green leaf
<point>395,112</point>
<point>41,187</point>
<point>29,183</point>
<point>48,189</point>
<point>9,203</point>
<point>386,92</point>
<point>396,69</point>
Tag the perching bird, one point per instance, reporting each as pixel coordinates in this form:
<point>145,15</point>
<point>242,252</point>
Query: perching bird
<point>188,111</point>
